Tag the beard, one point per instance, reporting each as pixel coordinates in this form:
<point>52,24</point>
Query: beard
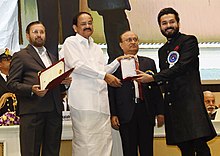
<point>37,42</point>
<point>170,32</point>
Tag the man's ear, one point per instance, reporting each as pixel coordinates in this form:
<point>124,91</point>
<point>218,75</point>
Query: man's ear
<point>28,37</point>
<point>179,24</point>
<point>120,45</point>
<point>75,28</point>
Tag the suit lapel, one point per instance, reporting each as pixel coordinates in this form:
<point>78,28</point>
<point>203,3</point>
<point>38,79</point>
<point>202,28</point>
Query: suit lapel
<point>35,55</point>
<point>52,57</point>
<point>140,60</point>
<point>143,64</point>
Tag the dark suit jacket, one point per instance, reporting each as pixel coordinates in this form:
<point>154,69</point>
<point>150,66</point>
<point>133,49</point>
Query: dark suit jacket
<point>186,117</point>
<point>100,5</point>
<point>121,99</point>
<point>8,106</point>
<point>23,74</point>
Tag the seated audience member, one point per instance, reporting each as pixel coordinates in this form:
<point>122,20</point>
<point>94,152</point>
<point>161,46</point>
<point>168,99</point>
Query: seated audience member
<point>211,107</point>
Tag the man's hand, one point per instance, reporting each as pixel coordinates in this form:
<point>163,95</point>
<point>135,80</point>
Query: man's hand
<point>115,122</point>
<point>36,90</point>
<point>160,120</point>
<point>67,81</point>
<point>124,57</point>
<point>143,77</point>
<point>113,81</point>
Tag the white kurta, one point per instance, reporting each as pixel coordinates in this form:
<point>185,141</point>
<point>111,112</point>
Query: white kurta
<point>88,96</point>
<point>88,90</point>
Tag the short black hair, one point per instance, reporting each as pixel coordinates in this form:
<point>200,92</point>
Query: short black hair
<point>31,24</point>
<point>75,18</point>
<point>166,11</point>
<point>120,36</point>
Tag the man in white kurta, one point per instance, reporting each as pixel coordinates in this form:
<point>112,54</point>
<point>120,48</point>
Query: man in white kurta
<point>88,95</point>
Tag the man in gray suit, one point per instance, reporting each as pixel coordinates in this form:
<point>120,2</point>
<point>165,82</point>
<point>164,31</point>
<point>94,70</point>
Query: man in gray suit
<point>40,110</point>
<point>115,22</point>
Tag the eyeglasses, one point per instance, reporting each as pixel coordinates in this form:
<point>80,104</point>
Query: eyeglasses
<point>129,40</point>
<point>38,31</point>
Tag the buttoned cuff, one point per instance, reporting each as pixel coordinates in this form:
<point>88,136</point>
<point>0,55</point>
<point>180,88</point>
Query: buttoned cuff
<point>102,75</point>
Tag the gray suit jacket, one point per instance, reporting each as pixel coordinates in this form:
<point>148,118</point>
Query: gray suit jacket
<point>23,74</point>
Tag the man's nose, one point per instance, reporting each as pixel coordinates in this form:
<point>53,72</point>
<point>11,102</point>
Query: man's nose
<point>169,25</point>
<point>212,103</point>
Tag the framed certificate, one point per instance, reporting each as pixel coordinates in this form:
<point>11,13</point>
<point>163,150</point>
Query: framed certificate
<point>53,75</point>
<point>128,68</point>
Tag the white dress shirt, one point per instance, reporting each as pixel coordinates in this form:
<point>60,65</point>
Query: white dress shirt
<point>42,52</point>
<point>88,90</point>
<point>137,95</point>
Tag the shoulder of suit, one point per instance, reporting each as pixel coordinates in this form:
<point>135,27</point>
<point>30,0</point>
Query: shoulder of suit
<point>185,37</point>
<point>23,51</point>
<point>145,58</point>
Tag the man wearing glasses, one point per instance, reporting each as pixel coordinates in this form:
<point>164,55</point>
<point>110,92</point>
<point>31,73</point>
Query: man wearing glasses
<point>134,106</point>
<point>40,110</point>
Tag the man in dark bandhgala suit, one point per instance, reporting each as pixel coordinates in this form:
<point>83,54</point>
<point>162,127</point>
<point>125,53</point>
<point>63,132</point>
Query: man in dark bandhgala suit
<point>187,123</point>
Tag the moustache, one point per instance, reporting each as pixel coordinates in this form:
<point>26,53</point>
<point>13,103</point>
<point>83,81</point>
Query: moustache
<point>87,29</point>
<point>211,107</point>
<point>169,28</point>
<point>38,38</point>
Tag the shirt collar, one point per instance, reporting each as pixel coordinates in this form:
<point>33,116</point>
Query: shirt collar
<point>135,57</point>
<point>39,50</point>
<point>83,39</point>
